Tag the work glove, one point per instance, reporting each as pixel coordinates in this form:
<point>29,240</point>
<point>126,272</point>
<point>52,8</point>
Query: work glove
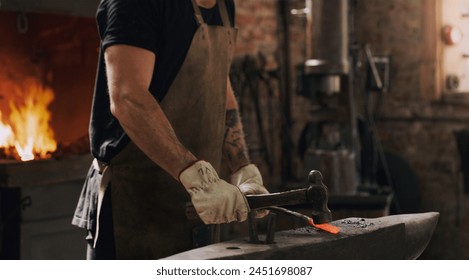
<point>249,180</point>
<point>215,200</point>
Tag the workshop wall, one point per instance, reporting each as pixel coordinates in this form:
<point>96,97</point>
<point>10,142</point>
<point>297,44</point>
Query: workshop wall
<point>415,122</point>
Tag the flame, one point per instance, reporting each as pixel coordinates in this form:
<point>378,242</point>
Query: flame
<point>28,130</point>
<point>6,134</point>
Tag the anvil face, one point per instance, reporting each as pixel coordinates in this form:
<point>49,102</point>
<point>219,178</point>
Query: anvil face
<point>390,237</point>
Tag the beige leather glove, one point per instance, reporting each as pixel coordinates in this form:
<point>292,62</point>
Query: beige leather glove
<point>215,200</point>
<point>249,180</point>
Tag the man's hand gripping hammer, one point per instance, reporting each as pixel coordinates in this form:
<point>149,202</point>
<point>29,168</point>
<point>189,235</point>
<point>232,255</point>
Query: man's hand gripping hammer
<point>316,196</point>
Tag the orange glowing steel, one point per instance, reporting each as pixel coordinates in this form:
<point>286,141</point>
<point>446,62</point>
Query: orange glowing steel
<point>325,227</point>
<point>28,130</point>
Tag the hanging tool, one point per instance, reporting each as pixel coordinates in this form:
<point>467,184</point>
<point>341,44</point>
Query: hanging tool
<point>250,78</point>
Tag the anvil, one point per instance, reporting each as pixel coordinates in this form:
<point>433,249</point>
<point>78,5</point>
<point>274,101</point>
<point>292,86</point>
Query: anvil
<point>390,237</point>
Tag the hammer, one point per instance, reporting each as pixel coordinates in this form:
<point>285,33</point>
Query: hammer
<point>315,195</point>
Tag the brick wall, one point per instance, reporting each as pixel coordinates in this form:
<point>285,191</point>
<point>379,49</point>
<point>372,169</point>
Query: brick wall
<point>414,122</point>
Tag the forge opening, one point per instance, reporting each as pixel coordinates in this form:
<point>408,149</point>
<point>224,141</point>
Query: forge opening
<point>56,55</point>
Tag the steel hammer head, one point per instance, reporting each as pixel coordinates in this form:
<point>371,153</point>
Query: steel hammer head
<point>318,197</point>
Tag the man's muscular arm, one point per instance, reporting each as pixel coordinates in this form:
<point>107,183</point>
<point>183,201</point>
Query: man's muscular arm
<point>129,72</point>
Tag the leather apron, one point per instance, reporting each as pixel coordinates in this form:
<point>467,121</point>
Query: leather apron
<point>148,205</point>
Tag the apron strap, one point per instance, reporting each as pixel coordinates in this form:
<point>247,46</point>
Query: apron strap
<point>224,13</point>
<point>105,172</point>
<point>197,13</point>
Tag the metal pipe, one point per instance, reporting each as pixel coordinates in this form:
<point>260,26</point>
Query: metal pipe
<point>327,37</point>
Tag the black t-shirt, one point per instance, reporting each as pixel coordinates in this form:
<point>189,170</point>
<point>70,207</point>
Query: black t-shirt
<point>165,27</point>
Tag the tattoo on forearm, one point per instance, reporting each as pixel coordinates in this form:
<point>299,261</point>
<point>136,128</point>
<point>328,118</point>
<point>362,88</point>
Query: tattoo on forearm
<point>234,146</point>
<point>232,118</point>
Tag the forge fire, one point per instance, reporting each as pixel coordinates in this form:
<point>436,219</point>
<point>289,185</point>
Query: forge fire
<point>25,132</point>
